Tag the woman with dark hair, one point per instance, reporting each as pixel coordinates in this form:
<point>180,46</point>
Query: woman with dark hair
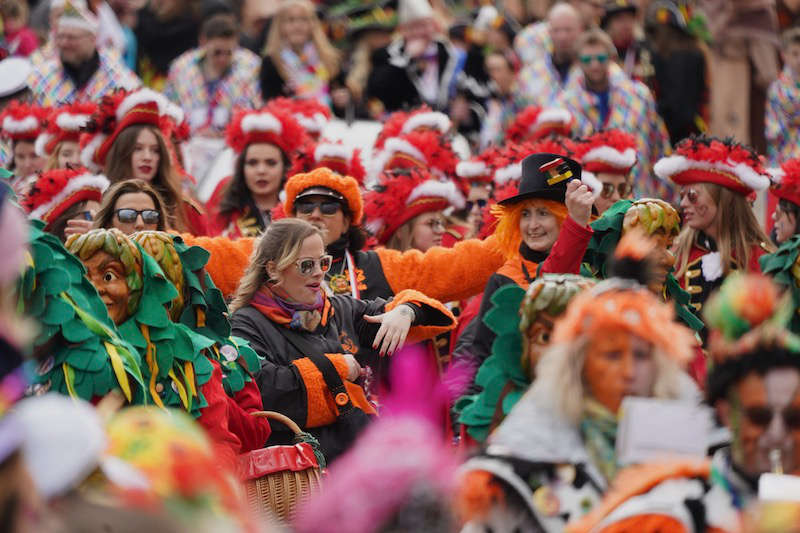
<point>131,206</point>
<point>131,137</point>
<point>265,141</point>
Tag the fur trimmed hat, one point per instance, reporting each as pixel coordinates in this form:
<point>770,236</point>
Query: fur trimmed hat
<point>64,123</point>
<point>402,195</point>
<point>535,122</point>
<point>57,190</point>
<point>417,149</point>
<point>312,115</point>
<point>420,119</point>
<point>22,122</point>
<point>786,181</point>
<point>705,159</point>
<point>334,155</point>
<point>612,151</point>
<point>270,124</point>
<point>345,186</point>
<point>120,110</point>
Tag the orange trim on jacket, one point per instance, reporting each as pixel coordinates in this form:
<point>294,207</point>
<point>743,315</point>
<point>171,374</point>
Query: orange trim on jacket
<point>421,333</point>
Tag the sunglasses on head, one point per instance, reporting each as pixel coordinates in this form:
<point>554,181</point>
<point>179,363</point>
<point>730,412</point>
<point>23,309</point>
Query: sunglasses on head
<point>129,216</point>
<point>624,189</point>
<point>762,416</point>
<point>481,203</point>
<point>306,265</point>
<point>690,194</point>
<point>326,207</point>
<point>588,58</point>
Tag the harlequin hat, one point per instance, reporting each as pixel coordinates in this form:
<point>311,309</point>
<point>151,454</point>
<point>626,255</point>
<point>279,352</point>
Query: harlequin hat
<point>345,186</point>
<point>122,109</point>
<point>705,159</point>
<point>336,156</point>
<point>57,190</point>
<point>534,122</point>
<point>22,121</point>
<point>417,149</point>
<point>64,123</point>
<point>786,181</point>
<point>420,119</point>
<point>270,124</point>
<point>402,195</point>
<point>612,151</point>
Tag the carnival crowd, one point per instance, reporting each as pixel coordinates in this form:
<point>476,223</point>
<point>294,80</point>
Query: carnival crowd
<point>365,266</point>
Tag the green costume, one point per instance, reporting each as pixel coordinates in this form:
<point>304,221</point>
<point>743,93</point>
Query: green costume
<point>784,268</point>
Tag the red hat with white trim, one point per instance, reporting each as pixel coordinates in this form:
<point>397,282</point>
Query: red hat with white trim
<point>271,125</point>
<point>64,123</point>
<point>22,122</point>
<point>705,159</point>
<point>334,155</point>
<point>420,119</point>
<point>786,181</point>
<point>611,151</point>
<point>417,149</point>
<point>312,115</point>
<point>401,195</point>
<point>122,109</point>
<point>507,161</point>
<point>479,168</point>
<point>534,123</point>
<point>57,190</point>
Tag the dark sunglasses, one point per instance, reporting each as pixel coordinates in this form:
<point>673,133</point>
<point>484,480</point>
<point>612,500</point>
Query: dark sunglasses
<point>600,58</point>
<point>326,207</point>
<point>762,416</point>
<point>129,216</point>
<point>624,189</point>
<point>690,194</point>
<point>481,203</point>
<point>306,266</point>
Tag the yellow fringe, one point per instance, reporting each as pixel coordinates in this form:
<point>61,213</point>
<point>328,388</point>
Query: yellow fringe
<point>119,369</point>
<point>150,357</point>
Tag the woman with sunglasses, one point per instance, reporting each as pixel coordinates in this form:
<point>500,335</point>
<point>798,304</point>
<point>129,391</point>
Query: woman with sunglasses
<point>610,156</point>
<point>720,232</point>
<point>265,142</point>
<point>131,206</point>
<point>308,339</point>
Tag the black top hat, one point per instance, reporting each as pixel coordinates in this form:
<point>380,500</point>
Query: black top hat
<point>545,176</point>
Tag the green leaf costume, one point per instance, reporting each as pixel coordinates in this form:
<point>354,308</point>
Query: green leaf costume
<point>784,268</point>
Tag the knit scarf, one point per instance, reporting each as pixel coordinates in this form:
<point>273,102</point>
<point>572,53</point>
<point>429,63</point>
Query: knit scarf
<point>293,315</point>
<point>308,76</point>
<point>599,430</point>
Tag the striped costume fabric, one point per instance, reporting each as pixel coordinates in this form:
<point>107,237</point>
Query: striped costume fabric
<point>533,43</point>
<point>51,86</point>
<point>631,109</point>
<point>783,119</point>
<point>186,86</point>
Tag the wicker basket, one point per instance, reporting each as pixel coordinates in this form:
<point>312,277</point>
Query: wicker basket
<point>279,478</point>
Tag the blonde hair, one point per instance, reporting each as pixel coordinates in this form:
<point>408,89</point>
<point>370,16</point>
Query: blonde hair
<point>560,386</point>
<point>280,244</point>
<point>328,54</point>
<point>737,230</point>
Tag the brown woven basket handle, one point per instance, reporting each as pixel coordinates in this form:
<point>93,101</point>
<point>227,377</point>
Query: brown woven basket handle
<point>285,420</point>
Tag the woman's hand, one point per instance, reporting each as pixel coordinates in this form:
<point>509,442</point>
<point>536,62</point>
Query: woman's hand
<point>77,226</point>
<point>394,328</point>
<point>353,368</point>
<point>579,200</point>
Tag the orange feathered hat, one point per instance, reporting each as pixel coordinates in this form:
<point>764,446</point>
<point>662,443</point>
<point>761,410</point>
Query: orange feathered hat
<point>346,186</point>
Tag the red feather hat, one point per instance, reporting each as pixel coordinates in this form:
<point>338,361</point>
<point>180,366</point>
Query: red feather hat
<point>705,159</point>
<point>612,151</point>
<point>417,149</point>
<point>333,155</point>
<point>479,168</point>
<point>22,122</point>
<point>270,124</point>
<point>786,181</point>
<point>310,114</point>
<point>120,110</point>
<point>64,123</point>
<point>420,119</point>
<point>401,195</point>
<point>535,122</point>
<point>57,190</point>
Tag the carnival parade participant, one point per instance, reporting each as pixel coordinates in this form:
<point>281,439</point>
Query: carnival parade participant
<point>20,125</point>
<point>308,339</point>
<point>610,155</point>
<point>58,142</point>
<point>131,206</point>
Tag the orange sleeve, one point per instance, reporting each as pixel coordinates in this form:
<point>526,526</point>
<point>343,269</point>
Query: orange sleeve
<point>446,274</point>
<point>322,409</point>
<point>228,261</point>
<point>423,332</point>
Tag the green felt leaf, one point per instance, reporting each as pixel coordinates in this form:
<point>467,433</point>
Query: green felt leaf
<point>89,357</point>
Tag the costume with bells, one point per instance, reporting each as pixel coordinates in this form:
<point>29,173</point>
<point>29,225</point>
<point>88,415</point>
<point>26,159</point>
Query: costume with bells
<point>271,124</point>
<point>730,165</point>
<point>121,109</point>
<point>541,468</point>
